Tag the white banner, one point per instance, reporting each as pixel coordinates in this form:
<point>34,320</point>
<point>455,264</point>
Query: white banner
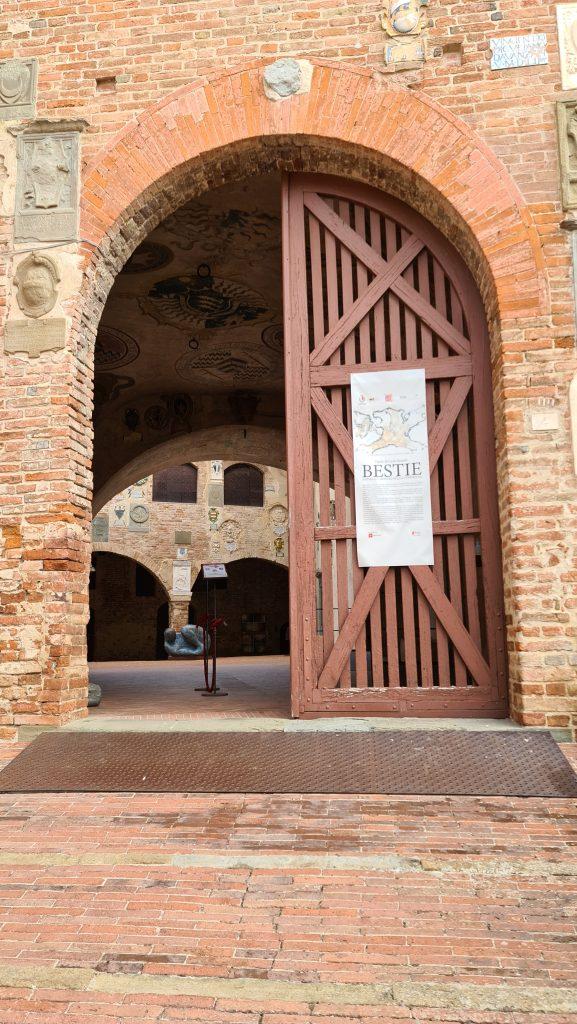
<point>392,485</point>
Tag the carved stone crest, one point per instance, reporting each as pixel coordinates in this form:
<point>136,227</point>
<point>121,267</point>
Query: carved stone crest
<point>567,29</point>
<point>100,527</point>
<point>36,280</point>
<point>278,515</point>
<point>404,21</point>
<point>231,532</point>
<point>47,188</point>
<point>17,89</point>
<point>567,136</point>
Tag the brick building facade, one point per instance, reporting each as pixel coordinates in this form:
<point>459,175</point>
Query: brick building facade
<point>166,105</point>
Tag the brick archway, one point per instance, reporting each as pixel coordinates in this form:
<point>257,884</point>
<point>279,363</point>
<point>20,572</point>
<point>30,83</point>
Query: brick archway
<point>419,151</point>
<point>263,445</point>
<point>350,123</point>
<point>356,125</point>
<point>146,563</point>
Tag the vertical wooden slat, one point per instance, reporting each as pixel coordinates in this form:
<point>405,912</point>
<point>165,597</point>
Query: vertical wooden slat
<point>466,495</point>
<point>443,672</point>
<point>358,575</point>
<point>452,543</point>
<point>425,675</point>
<point>322,445</point>
<point>341,560</point>
<point>379,309</point>
<point>394,306</point>
<point>392,630</point>
<point>484,442</point>
<point>304,670</point>
<point>375,622</point>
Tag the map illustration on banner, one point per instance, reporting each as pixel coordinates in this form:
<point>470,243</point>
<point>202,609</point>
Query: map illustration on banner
<point>392,485</point>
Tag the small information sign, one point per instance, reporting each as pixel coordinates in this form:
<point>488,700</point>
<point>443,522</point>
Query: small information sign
<point>214,571</point>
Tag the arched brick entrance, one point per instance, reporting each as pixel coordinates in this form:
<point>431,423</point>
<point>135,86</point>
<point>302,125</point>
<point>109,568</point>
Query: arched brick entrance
<point>348,123</point>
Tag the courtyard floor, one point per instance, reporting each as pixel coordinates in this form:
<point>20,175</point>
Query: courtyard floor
<point>243,909</point>
<point>166,689</point>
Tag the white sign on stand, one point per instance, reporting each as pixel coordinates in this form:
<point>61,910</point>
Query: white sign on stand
<point>391,451</point>
<point>214,571</point>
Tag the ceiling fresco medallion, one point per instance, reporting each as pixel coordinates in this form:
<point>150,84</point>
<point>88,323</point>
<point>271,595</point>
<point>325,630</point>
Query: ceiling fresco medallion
<point>273,337</point>
<point>201,300</point>
<point>107,386</point>
<point>195,226</point>
<point>149,256</point>
<point>156,417</point>
<point>174,415</point>
<point>114,348</point>
<point>223,365</point>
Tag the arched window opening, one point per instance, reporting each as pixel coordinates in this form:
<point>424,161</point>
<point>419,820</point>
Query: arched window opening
<point>243,485</point>
<point>177,484</point>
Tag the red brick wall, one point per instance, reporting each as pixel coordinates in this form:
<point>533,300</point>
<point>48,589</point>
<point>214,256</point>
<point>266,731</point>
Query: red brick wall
<point>153,50</point>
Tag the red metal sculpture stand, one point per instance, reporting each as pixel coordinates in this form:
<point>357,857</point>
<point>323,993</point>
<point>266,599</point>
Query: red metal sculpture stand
<point>209,628</point>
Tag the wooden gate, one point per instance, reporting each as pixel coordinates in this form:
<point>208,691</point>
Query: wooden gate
<point>370,285</point>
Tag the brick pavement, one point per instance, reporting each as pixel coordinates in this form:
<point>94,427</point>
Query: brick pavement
<point>287,910</point>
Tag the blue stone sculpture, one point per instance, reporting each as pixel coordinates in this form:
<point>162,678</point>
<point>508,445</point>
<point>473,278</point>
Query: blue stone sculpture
<point>185,643</point>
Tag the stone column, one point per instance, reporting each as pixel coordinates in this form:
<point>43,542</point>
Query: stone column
<point>45,409</point>
<point>178,611</point>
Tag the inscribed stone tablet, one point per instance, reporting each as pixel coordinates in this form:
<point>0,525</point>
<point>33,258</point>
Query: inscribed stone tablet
<point>518,51</point>
<point>215,495</point>
<point>33,337</point>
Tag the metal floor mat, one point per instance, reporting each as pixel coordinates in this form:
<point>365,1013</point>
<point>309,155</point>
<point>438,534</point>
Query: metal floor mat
<point>450,763</point>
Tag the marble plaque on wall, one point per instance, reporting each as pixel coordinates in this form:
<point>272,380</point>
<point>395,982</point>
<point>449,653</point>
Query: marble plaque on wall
<point>138,518</point>
<point>18,89</point>
<point>181,577</point>
<point>518,51</point>
<point>567,30</point>
<point>567,137</point>
<point>33,337</point>
<point>100,528</point>
<point>47,188</point>
<point>215,495</point>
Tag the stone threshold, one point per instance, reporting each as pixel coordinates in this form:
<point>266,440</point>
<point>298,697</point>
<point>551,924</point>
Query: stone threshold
<point>479,997</point>
<point>113,723</point>
<point>432,865</point>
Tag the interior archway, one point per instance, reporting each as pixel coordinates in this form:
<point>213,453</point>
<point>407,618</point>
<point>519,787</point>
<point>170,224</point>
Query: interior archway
<point>128,610</point>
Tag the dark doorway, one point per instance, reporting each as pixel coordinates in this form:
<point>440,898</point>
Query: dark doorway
<point>162,620</point>
<point>254,603</point>
<point>128,610</point>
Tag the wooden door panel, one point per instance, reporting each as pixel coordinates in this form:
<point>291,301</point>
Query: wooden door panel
<point>370,285</point>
